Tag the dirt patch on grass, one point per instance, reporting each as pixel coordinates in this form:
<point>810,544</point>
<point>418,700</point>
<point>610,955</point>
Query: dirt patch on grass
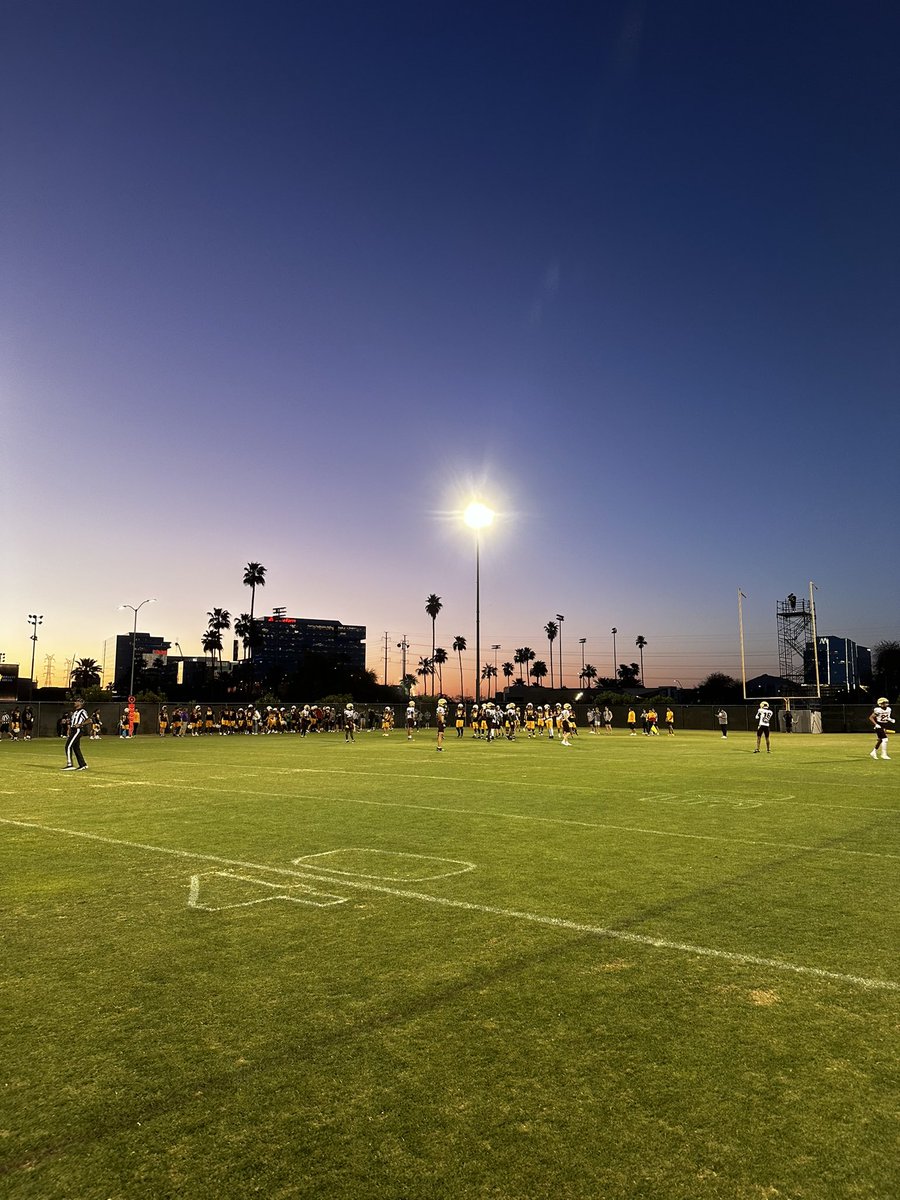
<point>764,998</point>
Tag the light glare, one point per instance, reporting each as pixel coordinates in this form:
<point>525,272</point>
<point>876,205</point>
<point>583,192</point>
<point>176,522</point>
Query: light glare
<point>478,516</point>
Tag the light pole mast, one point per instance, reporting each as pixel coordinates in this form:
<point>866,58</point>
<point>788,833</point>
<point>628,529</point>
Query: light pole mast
<point>478,516</point>
<point>34,619</point>
<point>560,618</point>
<point>152,600</point>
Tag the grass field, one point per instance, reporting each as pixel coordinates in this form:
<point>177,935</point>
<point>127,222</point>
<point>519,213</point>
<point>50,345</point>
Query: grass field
<point>661,968</point>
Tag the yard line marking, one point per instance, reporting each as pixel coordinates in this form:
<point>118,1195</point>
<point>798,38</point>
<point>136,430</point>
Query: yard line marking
<point>471,812</point>
<point>636,939</point>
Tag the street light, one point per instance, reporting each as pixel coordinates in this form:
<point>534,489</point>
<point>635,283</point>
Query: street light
<point>615,660</point>
<point>560,618</point>
<point>581,642</point>
<point>152,600</point>
<point>478,516</point>
<point>34,619</point>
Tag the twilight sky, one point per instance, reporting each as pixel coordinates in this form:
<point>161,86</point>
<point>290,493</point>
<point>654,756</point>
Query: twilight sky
<point>286,282</point>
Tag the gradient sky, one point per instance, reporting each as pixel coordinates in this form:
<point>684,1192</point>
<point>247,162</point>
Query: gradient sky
<point>286,281</point>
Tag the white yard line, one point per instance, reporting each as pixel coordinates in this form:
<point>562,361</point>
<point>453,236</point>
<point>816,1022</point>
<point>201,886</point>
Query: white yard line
<point>637,939</point>
<point>565,821</point>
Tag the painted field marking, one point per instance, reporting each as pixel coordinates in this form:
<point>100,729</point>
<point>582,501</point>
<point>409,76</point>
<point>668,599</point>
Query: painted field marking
<point>397,857</point>
<point>311,896</point>
<point>565,821</point>
<point>636,939</point>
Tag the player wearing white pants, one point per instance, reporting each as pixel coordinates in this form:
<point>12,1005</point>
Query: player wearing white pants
<point>881,719</point>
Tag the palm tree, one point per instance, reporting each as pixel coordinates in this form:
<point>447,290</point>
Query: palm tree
<point>425,668</point>
<point>212,642</point>
<point>219,620</point>
<point>254,577</point>
<point>519,660</point>
<point>459,644</point>
<point>433,606</point>
<point>488,672</point>
<point>527,658</point>
<point>408,682</point>
<point>640,641</point>
<point>539,671</point>
<point>440,657</point>
<point>86,673</point>
<point>508,670</point>
<point>551,629</point>
<point>628,674</point>
<point>589,673</point>
<point>243,627</point>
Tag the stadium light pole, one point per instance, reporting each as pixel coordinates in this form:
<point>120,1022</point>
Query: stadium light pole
<point>560,618</point>
<point>581,642</point>
<point>152,600</point>
<point>615,663</point>
<point>34,619</point>
<point>478,516</point>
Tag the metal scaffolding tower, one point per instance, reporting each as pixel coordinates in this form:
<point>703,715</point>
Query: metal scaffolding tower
<point>796,632</point>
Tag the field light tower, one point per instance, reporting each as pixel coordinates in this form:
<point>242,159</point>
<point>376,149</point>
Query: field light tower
<point>34,619</point>
<point>478,516</point>
<point>560,618</point>
<point>152,600</point>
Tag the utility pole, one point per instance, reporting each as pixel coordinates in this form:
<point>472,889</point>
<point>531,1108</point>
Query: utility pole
<point>385,675</point>
<point>403,647</point>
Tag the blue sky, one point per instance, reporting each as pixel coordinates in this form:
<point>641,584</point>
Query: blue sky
<point>284,282</point>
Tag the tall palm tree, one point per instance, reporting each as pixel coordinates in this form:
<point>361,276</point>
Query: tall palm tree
<point>459,644</point>
<point>86,673</point>
<point>508,670</point>
<point>219,620</point>
<point>440,657</point>
<point>433,606</point>
<point>528,657</point>
<point>589,673</point>
<point>425,668</point>
<point>254,577</point>
<point>551,629</point>
<point>243,627</point>
<point>212,643</point>
<point>519,660</point>
<point>539,671</point>
<point>640,641</point>
<point>488,672</point>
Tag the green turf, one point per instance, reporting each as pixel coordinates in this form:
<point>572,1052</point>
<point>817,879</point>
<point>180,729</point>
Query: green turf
<point>672,973</point>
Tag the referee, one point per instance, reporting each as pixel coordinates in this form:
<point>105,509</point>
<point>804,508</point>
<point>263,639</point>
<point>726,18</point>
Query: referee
<point>77,722</point>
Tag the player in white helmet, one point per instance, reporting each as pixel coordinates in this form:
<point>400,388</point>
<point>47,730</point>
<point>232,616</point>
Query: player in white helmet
<point>882,722</point>
<point>763,717</point>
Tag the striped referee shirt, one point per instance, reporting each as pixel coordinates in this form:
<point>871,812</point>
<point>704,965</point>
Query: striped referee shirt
<point>79,717</point>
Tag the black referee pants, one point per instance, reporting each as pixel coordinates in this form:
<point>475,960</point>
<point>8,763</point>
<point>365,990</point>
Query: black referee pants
<point>73,746</point>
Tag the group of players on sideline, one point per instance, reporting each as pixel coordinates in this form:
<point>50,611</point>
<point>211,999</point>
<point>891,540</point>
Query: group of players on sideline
<point>487,722</point>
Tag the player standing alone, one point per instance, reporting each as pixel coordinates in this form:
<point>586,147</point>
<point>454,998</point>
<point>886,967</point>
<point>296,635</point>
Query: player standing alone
<point>763,717</point>
<point>881,720</point>
<point>73,742</point>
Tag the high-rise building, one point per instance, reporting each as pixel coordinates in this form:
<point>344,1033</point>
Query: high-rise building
<point>843,666</point>
<point>146,649</point>
<point>286,644</point>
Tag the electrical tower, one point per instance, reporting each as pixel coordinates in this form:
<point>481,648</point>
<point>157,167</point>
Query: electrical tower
<point>48,669</point>
<point>796,640</point>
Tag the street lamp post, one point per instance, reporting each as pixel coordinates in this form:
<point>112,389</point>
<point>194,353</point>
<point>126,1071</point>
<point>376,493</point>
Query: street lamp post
<point>495,649</point>
<point>581,642</point>
<point>560,618</point>
<point>34,619</point>
<point>152,600</point>
<point>478,516</point>
<point>615,660</point>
